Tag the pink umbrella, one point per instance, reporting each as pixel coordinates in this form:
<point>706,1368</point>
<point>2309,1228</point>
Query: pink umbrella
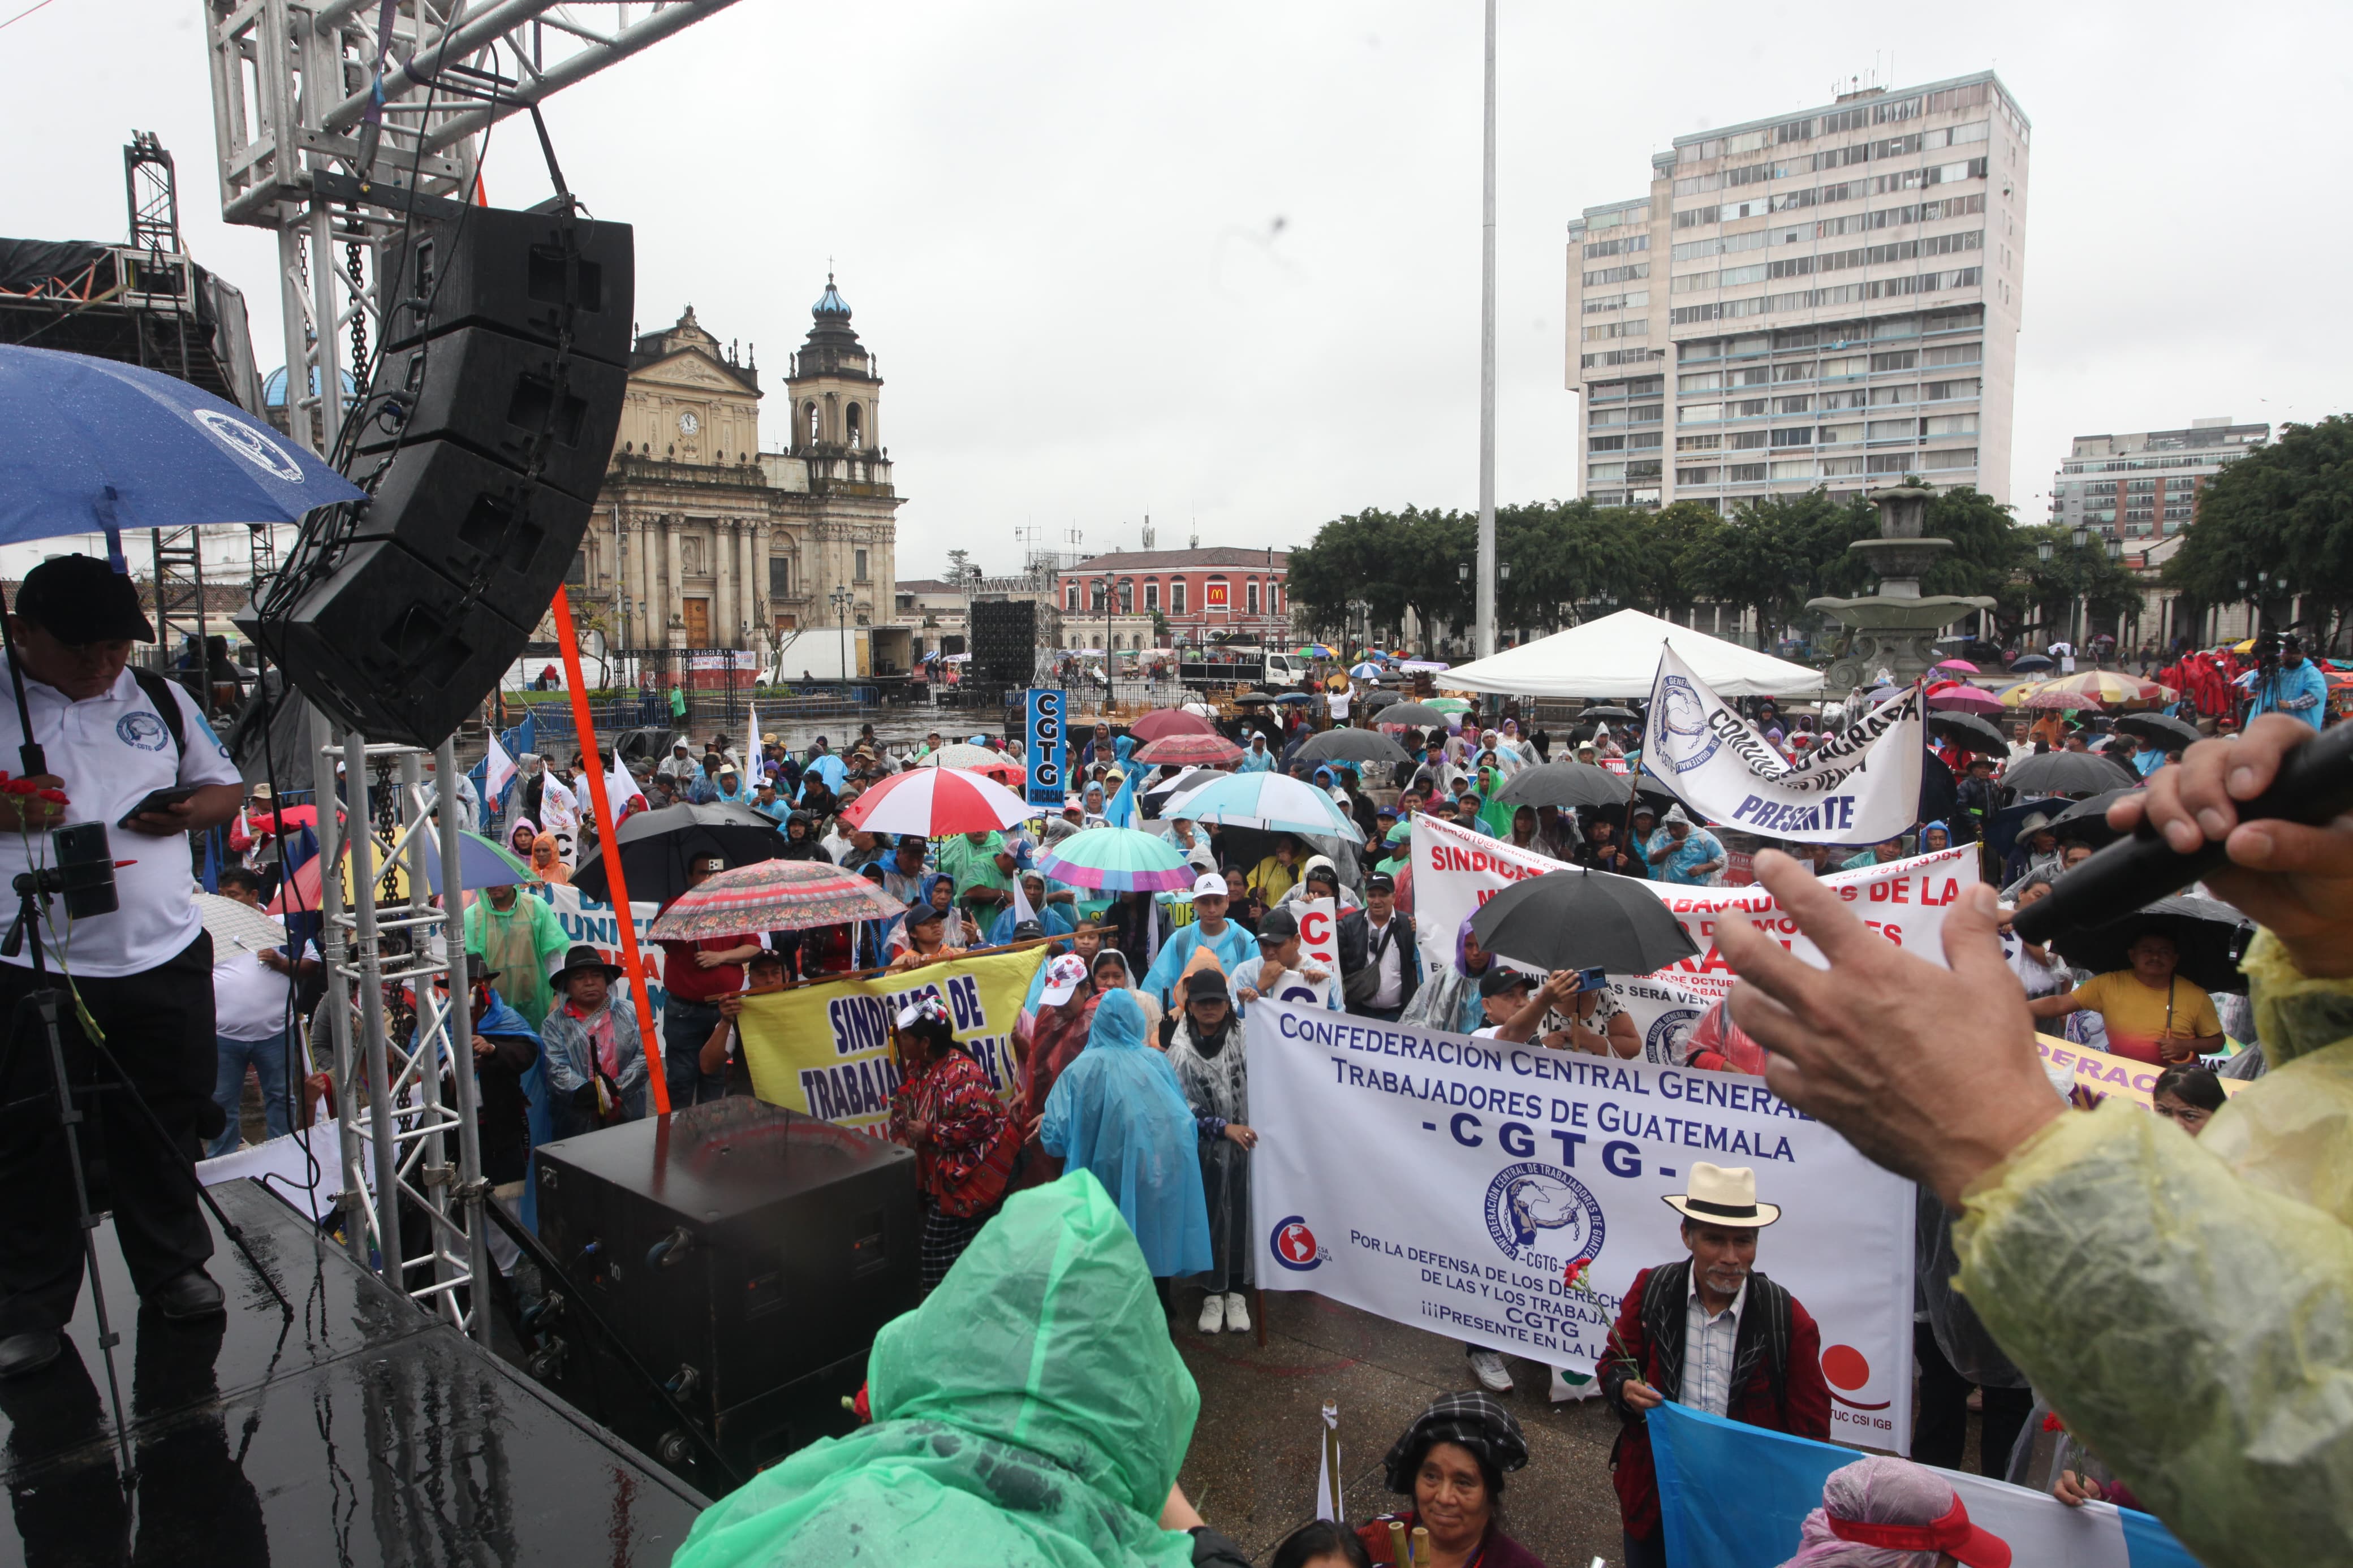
<point>932,803</point>
<point>1189,751</point>
<point>1966,699</point>
<point>1162,722</point>
<point>1962,664</point>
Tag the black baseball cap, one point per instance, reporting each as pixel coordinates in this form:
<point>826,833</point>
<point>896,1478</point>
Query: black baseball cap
<point>1380,882</point>
<point>1278,923</point>
<point>81,599</point>
<point>1498,980</point>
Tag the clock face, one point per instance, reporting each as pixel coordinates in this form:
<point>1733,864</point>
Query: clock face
<point>688,423</point>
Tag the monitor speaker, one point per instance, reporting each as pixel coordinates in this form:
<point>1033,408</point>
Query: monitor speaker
<point>485,433</point>
<point>1004,639</point>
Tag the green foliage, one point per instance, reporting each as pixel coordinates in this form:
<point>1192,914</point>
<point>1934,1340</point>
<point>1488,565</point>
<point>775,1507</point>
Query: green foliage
<point>2287,508</point>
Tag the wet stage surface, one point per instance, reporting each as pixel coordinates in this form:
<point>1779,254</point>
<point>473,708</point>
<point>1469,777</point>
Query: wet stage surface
<point>356,1431</point>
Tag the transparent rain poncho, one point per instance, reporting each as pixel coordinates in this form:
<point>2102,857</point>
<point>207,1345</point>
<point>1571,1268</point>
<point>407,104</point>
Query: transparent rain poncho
<point>1117,1112</point>
<point>1032,1412</point>
<point>2188,1305</point>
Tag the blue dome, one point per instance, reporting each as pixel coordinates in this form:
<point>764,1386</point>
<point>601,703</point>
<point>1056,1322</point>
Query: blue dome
<point>830,305</point>
<point>273,387</point>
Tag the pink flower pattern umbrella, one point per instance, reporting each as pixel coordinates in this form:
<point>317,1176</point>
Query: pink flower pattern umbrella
<point>774,895</point>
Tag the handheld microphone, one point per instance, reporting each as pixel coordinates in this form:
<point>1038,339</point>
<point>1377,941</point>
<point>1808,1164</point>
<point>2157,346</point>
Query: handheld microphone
<point>2314,785</point>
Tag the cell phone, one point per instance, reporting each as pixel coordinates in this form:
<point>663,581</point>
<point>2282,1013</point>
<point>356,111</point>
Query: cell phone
<point>159,800</point>
<point>1592,979</point>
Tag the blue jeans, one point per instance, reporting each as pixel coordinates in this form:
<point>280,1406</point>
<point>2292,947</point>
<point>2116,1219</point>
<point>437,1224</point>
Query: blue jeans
<point>268,1058</point>
<point>685,1026</point>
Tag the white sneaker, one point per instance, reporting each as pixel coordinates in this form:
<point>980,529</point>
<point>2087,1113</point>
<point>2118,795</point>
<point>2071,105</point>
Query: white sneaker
<point>1238,1319</point>
<point>1213,1313</point>
<point>1492,1374</point>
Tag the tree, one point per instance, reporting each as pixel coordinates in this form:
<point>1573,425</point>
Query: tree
<point>2282,511</point>
<point>1780,552</point>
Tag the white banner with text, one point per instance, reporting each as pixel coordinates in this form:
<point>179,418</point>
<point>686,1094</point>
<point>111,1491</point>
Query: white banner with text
<point>1450,1182</point>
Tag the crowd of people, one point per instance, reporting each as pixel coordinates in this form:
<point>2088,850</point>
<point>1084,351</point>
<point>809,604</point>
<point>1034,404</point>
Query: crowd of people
<point>1130,1067</point>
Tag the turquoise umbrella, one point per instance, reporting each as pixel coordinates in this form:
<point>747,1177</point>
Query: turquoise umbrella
<point>1117,860</point>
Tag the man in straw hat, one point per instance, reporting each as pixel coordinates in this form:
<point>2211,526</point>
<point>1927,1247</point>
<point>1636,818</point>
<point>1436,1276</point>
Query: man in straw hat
<point>1712,1334</point>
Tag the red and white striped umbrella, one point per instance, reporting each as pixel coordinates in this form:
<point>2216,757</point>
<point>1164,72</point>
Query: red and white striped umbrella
<point>932,803</point>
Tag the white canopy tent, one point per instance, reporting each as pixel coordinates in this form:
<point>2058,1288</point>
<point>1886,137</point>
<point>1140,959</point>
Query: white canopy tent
<point>1616,656</point>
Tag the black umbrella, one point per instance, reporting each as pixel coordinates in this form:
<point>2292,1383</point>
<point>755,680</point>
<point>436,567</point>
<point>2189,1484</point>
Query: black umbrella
<point>1417,713</point>
<point>2162,728</point>
<point>1351,746</point>
<point>2086,821</point>
<point>2068,773</point>
<point>1567,783</point>
<point>1970,732</point>
<point>657,844</point>
<point>1938,792</point>
<point>2209,935</point>
<point>1376,699</point>
<point>1253,698</point>
<point>1608,711</point>
<point>1582,920</point>
<point>2030,663</point>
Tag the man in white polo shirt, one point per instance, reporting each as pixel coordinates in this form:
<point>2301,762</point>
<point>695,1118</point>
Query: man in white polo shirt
<point>112,736</point>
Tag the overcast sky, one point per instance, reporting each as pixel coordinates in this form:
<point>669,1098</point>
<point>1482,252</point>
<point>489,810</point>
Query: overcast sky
<point>1219,262</point>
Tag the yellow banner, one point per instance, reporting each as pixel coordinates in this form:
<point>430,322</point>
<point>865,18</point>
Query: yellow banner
<point>825,1050</point>
<point>2100,1073</point>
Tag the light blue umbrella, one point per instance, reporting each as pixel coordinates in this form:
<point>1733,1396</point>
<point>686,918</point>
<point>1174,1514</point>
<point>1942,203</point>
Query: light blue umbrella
<point>96,446</point>
<point>1367,670</point>
<point>1275,802</point>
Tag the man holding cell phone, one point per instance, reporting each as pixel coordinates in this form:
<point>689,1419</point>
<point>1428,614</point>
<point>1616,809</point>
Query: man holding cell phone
<point>128,753</point>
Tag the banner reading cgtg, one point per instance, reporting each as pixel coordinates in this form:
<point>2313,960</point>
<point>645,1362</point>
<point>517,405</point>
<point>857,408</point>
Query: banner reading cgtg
<point>1044,746</point>
<point>1448,1181</point>
<point>825,1050</point>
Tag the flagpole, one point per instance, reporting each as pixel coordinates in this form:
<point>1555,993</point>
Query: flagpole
<point>616,882</point>
<point>1486,597</point>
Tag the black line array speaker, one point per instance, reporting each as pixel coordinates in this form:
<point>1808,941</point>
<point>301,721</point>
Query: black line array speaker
<point>1004,639</point>
<point>491,418</point>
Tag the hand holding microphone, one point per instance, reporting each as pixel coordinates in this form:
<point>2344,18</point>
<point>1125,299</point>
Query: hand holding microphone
<point>2259,819</point>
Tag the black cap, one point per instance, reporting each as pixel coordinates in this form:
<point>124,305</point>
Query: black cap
<point>81,599</point>
<point>1205,983</point>
<point>1278,922</point>
<point>1498,980</point>
<point>1380,882</point>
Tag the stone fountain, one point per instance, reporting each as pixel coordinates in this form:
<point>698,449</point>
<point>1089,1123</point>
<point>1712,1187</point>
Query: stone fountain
<point>1891,629</point>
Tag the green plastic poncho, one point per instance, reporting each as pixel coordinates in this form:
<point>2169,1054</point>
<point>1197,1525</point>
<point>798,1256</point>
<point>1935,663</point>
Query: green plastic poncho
<point>1032,1411</point>
<point>2188,1305</point>
<point>517,943</point>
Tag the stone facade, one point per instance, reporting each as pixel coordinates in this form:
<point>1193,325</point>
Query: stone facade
<point>701,539</point>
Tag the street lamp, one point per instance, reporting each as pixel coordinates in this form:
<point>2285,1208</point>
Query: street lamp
<point>2083,536</point>
<point>2043,552</point>
<point>842,596</point>
<point>2115,550</point>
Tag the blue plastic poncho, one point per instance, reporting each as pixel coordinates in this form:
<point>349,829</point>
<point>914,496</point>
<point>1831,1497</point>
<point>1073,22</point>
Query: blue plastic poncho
<point>1032,1414</point>
<point>1118,1112</point>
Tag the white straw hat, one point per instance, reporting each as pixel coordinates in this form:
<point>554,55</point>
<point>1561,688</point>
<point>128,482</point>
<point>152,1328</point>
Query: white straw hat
<point>1723,1195</point>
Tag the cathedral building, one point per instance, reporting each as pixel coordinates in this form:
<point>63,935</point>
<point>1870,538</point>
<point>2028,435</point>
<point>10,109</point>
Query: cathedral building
<point>702,540</point>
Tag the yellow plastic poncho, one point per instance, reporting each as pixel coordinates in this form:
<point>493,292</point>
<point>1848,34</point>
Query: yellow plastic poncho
<point>2188,1305</point>
<point>1031,1413</point>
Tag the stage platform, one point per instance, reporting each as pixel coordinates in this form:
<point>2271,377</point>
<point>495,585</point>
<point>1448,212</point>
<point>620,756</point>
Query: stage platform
<point>358,1431</point>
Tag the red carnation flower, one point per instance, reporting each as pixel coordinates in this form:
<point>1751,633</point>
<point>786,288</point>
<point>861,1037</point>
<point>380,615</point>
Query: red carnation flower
<point>21,786</point>
<point>57,795</point>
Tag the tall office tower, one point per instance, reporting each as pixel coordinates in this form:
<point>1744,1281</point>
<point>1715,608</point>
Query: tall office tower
<point>1825,297</point>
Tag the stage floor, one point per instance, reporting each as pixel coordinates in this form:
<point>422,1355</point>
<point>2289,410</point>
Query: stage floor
<point>359,1431</point>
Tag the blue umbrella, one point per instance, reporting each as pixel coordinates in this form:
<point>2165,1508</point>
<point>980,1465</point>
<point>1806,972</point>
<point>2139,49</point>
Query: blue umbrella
<point>481,863</point>
<point>97,445</point>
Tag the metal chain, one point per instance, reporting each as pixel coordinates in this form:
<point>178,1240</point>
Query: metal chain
<point>359,315</point>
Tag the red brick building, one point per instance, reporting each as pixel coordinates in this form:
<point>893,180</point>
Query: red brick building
<point>1209,594</point>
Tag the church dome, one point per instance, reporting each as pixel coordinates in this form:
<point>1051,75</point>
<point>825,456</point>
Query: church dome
<point>830,305</point>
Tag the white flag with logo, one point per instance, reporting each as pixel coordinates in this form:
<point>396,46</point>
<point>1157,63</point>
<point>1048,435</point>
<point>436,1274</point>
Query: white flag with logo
<point>1861,786</point>
<point>499,772</point>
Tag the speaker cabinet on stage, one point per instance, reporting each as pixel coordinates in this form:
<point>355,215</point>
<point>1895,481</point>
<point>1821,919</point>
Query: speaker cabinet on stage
<point>746,1254</point>
<point>483,437</point>
<point>1004,639</point>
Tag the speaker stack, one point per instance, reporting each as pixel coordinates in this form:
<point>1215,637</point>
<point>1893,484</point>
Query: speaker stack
<point>492,415</point>
<point>1005,640</point>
